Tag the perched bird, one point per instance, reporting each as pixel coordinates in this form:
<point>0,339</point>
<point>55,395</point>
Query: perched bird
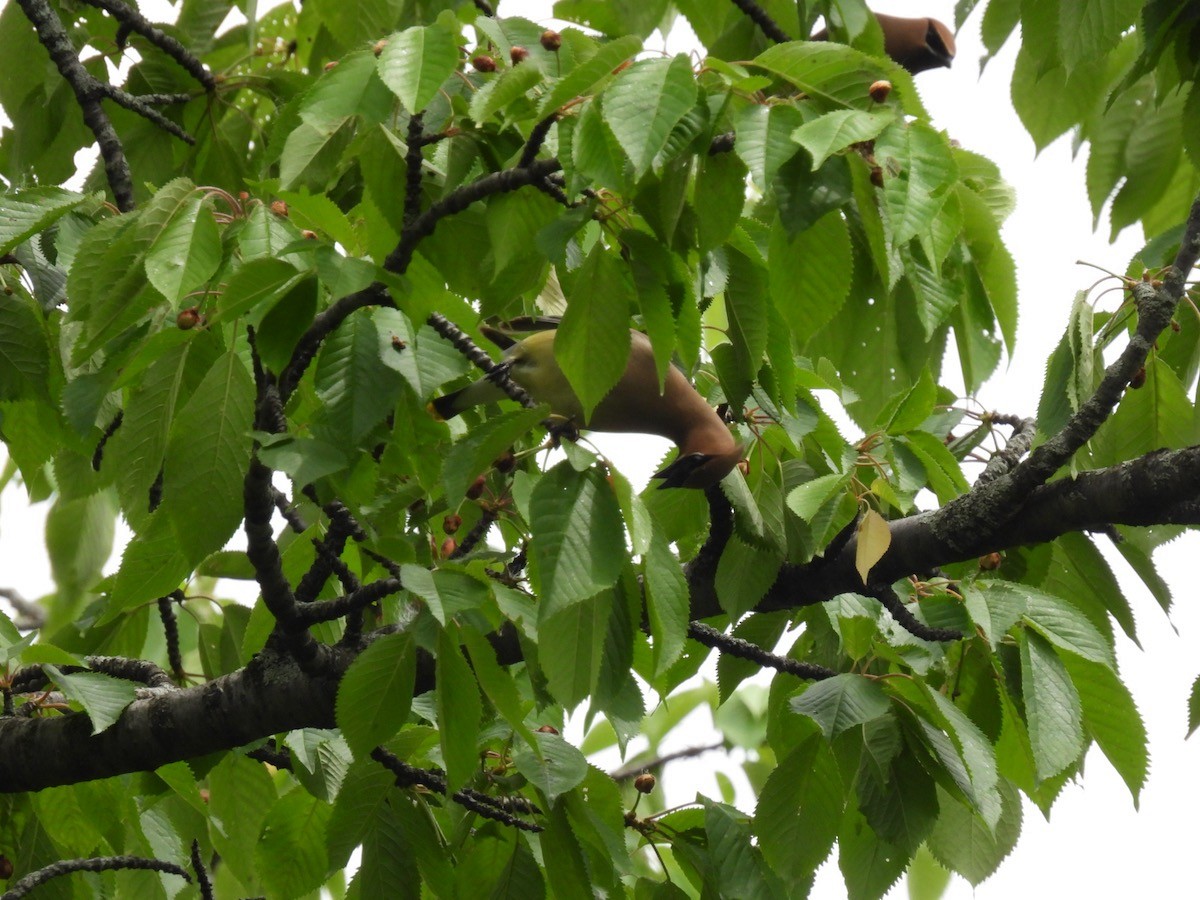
<point>916,44</point>
<point>707,449</point>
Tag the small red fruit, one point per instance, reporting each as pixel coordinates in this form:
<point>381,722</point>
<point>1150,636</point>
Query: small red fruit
<point>448,547</point>
<point>475,491</point>
<point>506,462</point>
<point>483,63</point>
<point>308,234</point>
<point>551,40</point>
<point>451,523</point>
<point>6,868</point>
<point>188,319</point>
<point>644,783</point>
<point>547,729</point>
<point>518,55</point>
<point>279,208</point>
<point>1139,378</point>
<point>990,562</point>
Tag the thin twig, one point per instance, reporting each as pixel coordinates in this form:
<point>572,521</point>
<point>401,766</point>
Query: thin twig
<point>95,864</point>
<point>759,17</point>
<point>732,646</point>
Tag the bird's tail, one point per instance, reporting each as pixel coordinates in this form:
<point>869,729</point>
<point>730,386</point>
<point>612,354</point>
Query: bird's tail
<point>447,406</point>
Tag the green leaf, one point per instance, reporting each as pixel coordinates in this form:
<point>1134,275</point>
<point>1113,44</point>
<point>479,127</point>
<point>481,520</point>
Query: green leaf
<point>667,602</point>
<point>447,593</point>
<point>207,458</point>
<point>585,78</point>
<point>1052,707</point>
<point>416,62</point>
<point>241,794</point>
<point>570,647</point>
<point>579,544</point>
<point>799,808</point>
<point>645,103</point>
<point>474,453</point>
<point>256,286</point>
<point>832,75</point>
<point>842,702</point>
<point>102,697</point>
<point>916,194</point>
<point>356,389</point>
<point>810,273</point>
<point>459,710</point>
<point>187,251</point>
<point>592,343</point>
<point>290,854</point>
<point>498,93</point>
<point>807,499</point>
<point>375,693</point>
<point>25,213</point>
<point>1090,29</point>
<point>964,844</point>
<point>1194,707</point>
<point>24,351</point>
<point>835,131</point>
<point>764,139</point>
<point>554,768</point>
<point>1066,627</point>
<point>869,864</point>
<point>352,87</point>
<point>1112,719</point>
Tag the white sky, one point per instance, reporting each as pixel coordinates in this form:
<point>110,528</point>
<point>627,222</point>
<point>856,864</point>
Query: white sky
<point>1095,845</point>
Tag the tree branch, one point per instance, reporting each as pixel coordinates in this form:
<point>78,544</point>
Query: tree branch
<point>95,864</point>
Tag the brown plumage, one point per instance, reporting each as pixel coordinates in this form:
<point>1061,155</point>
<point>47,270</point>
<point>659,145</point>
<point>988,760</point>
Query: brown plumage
<point>916,44</point>
<point>707,449</point>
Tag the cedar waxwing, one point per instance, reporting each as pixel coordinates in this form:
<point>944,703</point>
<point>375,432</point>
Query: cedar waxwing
<point>707,450</point>
<point>916,44</point>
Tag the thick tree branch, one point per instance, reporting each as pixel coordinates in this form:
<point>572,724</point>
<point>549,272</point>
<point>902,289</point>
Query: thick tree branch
<point>269,696</point>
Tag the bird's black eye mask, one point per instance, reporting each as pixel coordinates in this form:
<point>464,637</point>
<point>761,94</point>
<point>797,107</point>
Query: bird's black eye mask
<point>678,472</point>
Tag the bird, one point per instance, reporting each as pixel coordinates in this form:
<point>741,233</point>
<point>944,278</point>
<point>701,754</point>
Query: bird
<point>916,44</point>
<point>707,449</point>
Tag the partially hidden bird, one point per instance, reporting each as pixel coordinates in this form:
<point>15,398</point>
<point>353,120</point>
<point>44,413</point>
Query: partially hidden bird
<point>917,44</point>
<point>707,449</point>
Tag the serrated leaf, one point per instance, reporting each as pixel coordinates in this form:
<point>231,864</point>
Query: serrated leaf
<point>498,93</point>
<point>207,457</point>
<point>810,273</point>
<point>1052,707</point>
<point>24,351</point>
<point>874,538</point>
<point>1065,626</point>
<point>416,62</point>
<point>579,544</point>
<point>459,710</point>
<point>927,171</point>
<point>25,213</point>
<point>964,844</point>
<point>187,251</point>
<point>842,702</point>
<point>835,131</point>
<point>447,593</point>
<point>806,499</point>
<point>554,768</point>
<point>584,78</point>
<point>255,287</point>
<point>667,602</point>
<point>102,697</point>
<point>375,694</point>
<point>645,103</point>
<point>476,450</point>
<point>570,647</point>
<point>798,811</point>
<point>290,854</point>
<point>1112,719</point>
<point>592,343</point>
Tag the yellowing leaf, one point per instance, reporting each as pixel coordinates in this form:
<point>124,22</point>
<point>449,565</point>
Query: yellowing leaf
<point>874,538</point>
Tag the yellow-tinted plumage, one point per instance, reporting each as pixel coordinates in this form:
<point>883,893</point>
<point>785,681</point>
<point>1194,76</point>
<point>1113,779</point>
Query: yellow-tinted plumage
<point>707,450</point>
